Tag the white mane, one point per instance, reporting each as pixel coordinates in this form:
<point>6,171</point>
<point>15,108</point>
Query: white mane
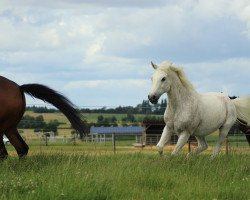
<point>169,67</point>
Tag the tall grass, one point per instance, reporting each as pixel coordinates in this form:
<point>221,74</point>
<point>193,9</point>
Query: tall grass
<point>126,176</point>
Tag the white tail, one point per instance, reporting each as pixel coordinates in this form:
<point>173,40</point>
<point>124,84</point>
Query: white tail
<point>242,105</point>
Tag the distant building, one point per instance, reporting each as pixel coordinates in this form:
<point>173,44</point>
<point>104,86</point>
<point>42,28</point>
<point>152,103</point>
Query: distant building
<point>153,131</point>
<point>104,134</point>
<point>147,134</point>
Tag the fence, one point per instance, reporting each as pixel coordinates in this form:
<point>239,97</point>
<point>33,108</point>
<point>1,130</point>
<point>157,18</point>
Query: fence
<point>117,142</point>
<point>130,143</point>
<point>232,144</point>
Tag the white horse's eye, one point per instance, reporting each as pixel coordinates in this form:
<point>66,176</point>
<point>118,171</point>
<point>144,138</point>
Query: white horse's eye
<point>163,79</point>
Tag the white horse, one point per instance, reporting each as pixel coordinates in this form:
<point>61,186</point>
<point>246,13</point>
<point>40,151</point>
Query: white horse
<point>190,113</point>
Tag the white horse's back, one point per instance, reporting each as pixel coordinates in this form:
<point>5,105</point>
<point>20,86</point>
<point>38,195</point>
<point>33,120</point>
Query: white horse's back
<point>215,109</point>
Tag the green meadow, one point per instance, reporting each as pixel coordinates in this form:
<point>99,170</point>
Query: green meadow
<point>74,173</point>
<point>92,171</point>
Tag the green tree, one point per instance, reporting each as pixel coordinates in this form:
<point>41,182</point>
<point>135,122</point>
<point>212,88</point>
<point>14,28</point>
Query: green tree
<point>100,119</point>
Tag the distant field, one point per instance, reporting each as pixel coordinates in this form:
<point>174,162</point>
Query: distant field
<point>64,129</point>
<point>51,116</point>
<point>90,117</point>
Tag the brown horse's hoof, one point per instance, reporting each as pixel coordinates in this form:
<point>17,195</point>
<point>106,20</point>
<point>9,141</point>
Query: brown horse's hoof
<point>22,156</point>
<point>3,157</point>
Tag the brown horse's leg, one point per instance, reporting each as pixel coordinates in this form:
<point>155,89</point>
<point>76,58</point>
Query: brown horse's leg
<point>17,141</point>
<point>247,132</point>
<point>3,151</point>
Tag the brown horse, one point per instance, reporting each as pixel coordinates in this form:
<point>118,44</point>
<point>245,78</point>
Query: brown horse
<point>245,129</point>
<point>12,107</point>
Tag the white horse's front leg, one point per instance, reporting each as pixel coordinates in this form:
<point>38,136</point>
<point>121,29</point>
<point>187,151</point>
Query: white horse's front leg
<point>183,138</point>
<point>165,137</point>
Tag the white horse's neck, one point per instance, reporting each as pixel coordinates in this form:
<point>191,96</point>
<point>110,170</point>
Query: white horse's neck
<point>180,95</point>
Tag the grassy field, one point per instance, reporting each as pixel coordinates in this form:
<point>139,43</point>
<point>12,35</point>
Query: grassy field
<point>92,171</point>
<point>55,175</point>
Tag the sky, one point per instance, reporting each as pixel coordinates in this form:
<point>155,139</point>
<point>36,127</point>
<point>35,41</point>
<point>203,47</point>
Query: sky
<point>98,52</point>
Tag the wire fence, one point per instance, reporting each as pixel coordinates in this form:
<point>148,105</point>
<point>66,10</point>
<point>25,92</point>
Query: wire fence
<point>131,143</point>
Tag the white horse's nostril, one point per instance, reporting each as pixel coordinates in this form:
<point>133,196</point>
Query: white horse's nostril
<point>151,97</point>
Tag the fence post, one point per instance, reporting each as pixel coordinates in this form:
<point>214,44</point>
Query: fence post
<point>227,146</point>
<point>74,139</point>
<point>189,146</point>
<point>113,141</point>
<point>142,141</point>
<point>46,140</point>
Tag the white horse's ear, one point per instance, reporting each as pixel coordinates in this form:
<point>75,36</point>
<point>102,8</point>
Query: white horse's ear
<point>154,65</point>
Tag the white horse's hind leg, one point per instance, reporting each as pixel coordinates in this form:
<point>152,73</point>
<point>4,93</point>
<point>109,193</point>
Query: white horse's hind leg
<point>202,145</point>
<point>165,137</point>
<point>183,138</point>
<point>231,118</point>
<point>222,136</point>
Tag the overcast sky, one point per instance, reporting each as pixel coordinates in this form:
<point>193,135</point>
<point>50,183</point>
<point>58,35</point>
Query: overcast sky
<point>98,52</point>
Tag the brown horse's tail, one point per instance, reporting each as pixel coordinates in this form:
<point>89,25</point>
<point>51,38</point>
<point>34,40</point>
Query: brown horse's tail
<point>59,101</point>
<point>245,129</point>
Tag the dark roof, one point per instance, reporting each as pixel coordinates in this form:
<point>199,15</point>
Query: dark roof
<point>153,122</point>
<point>118,130</point>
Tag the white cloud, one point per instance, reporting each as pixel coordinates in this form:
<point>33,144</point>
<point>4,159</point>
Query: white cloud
<point>110,92</point>
<point>230,76</point>
<point>109,84</point>
<point>245,17</point>
<point>85,45</point>
<point>75,4</point>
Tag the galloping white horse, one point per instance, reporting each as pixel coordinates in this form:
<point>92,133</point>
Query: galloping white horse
<point>190,113</point>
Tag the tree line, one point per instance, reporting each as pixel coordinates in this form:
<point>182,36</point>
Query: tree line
<point>143,108</point>
<point>41,109</point>
<point>128,120</point>
<point>38,124</point>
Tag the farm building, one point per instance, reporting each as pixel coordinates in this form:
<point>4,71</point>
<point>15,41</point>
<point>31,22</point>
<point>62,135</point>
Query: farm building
<point>153,131</point>
<point>104,134</point>
<point>147,134</point>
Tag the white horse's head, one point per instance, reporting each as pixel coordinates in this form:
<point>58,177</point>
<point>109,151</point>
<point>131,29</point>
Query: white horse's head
<point>166,75</point>
<point>160,84</point>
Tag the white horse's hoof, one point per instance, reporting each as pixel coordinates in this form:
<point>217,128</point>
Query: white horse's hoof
<point>160,153</point>
<point>188,155</point>
<point>213,156</point>
<point>160,150</point>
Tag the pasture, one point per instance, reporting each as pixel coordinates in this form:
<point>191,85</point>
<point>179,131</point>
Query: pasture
<point>93,171</point>
<point>80,172</point>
